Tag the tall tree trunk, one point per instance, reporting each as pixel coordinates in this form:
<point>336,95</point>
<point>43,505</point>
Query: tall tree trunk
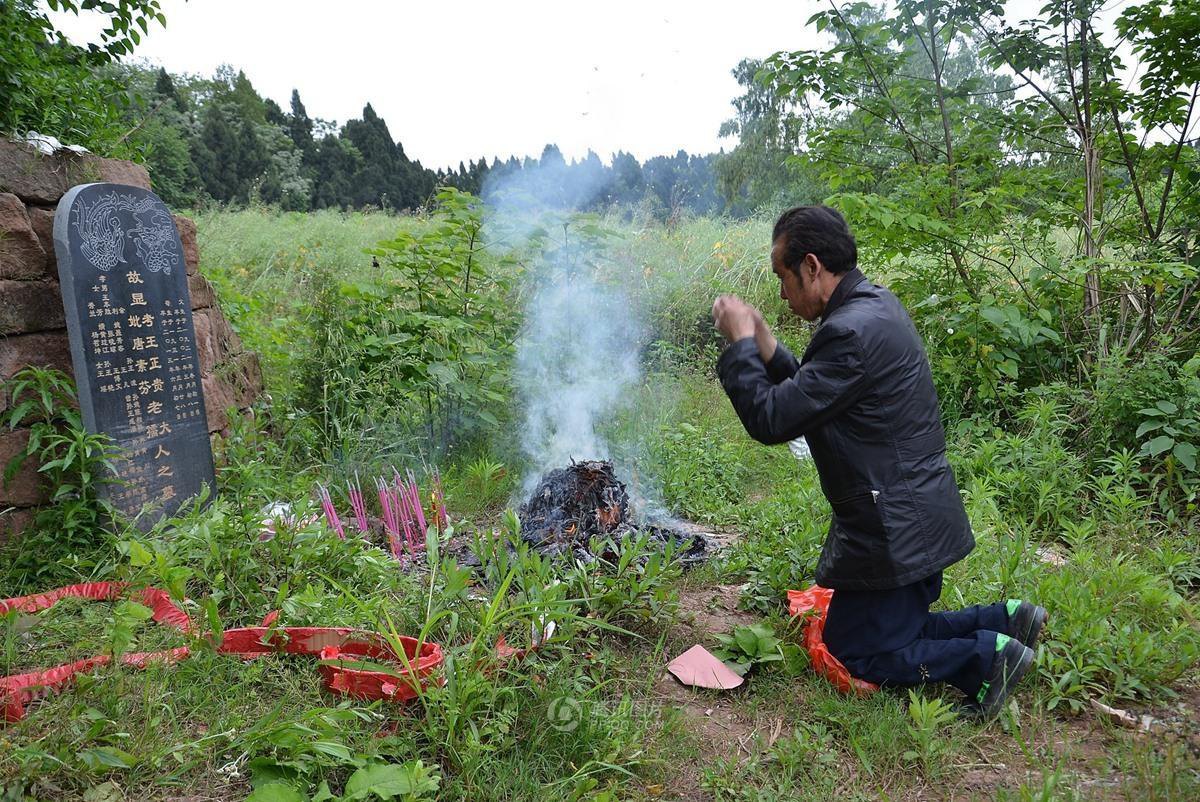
<point>1092,178</point>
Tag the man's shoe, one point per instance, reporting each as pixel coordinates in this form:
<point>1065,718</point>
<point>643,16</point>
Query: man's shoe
<point>1025,621</point>
<point>1013,659</point>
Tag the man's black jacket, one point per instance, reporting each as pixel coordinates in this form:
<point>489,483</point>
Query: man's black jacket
<point>863,398</point>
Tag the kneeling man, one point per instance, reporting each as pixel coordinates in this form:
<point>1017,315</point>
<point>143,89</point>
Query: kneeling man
<point>863,398</point>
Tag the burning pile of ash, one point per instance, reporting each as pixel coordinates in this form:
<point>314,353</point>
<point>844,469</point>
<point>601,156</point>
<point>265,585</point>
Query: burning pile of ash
<point>571,506</point>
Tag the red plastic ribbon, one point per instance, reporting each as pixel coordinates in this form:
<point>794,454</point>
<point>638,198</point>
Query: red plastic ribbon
<point>331,644</point>
<point>815,601</point>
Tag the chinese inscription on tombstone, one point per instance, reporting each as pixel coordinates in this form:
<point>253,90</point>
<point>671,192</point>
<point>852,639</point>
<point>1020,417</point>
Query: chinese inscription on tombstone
<point>124,287</point>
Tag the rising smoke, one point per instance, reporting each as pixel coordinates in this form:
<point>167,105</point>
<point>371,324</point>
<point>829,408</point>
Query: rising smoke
<point>578,351</point>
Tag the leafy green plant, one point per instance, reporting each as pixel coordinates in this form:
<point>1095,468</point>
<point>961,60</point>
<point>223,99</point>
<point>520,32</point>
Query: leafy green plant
<point>750,646</point>
<point>55,87</point>
<point>928,716</point>
<point>484,481</point>
<point>1176,433</point>
<point>409,782</point>
<point>73,462</point>
<point>631,586</point>
<point>441,334</point>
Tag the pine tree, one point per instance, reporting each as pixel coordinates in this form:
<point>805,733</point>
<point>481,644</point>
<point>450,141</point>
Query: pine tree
<point>252,160</point>
<point>215,153</point>
<point>379,181</point>
<point>628,183</point>
<point>241,93</point>
<point>274,114</point>
<point>300,127</point>
<point>164,87</point>
<point>336,161</point>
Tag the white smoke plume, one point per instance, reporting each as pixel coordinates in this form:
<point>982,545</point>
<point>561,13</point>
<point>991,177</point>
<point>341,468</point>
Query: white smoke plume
<point>577,355</point>
<point>577,360</point>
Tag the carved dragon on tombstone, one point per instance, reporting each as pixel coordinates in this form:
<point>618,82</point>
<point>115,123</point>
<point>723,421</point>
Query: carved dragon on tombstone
<point>102,242</point>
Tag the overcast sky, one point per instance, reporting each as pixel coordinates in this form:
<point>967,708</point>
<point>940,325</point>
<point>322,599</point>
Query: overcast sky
<point>462,79</point>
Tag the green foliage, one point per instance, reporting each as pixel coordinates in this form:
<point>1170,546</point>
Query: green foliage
<point>747,647</point>
<point>425,333</point>
<point>482,484</point>
<point>409,782</point>
<point>53,87</point>
<point>1169,433</point>
<point>631,589</point>
<point>74,463</point>
<point>758,174</point>
<point>447,343</point>
<point>928,716</point>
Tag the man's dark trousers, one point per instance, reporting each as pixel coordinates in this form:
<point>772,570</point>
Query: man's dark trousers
<point>889,637</point>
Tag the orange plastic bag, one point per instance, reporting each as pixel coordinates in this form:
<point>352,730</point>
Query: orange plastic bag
<point>333,645</point>
<point>815,603</point>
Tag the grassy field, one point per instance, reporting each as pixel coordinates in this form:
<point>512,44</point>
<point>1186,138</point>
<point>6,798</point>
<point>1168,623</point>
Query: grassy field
<point>591,714</point>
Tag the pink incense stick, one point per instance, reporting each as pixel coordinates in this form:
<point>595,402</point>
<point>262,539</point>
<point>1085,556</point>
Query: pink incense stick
<point>406,519</point>
<point>414,498</point>
<point>357,504</point>
<point>387,503</point>
<point>331,516</point>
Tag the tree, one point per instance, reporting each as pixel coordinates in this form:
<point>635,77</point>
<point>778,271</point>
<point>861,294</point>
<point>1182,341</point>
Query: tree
<point>757,171</point>
<point>216,154</point>
<point>168,157</point>
<point>891,113</point>
<point>628,184</point>
<point>274,115</point>
<point>300,127</point>
<point>251,159</point>
<point>237,91</point>
<point>52,86</point>
<point>285,180</point>
<point>379,180</point>
<point>1084,110</point>
<point>164,88</point>
<point>336,162</point>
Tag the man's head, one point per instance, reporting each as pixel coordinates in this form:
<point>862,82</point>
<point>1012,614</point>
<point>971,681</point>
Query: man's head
<point>811,249</point>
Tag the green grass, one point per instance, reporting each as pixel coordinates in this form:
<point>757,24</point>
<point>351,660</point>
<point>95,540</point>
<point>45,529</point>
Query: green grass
<point>1124,603</point>
<point>264,263</point>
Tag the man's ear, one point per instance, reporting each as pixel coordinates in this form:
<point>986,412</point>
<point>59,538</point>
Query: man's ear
<point>812,265</point>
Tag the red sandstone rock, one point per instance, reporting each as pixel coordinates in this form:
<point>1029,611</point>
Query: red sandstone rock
<point>27,306</point>
<point>44,350</point>
<point>36,178</point>
<point>41,220</point>
<point>218,398</point>
<point>201,291</point>
<point>26,488</point>
<point>206,348</point>
<point>49,349</point>
<point>21,254</point>
<point>187,237</point>
<point>29,175</point>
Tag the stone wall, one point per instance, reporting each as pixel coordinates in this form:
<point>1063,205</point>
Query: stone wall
<point>32,326</point>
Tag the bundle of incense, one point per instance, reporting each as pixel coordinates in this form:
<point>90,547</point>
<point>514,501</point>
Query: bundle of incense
<point>357,504</point>
<point>414,500</point>
<point>389,503</point>
<point>331,516</point>
<point>407,522</point>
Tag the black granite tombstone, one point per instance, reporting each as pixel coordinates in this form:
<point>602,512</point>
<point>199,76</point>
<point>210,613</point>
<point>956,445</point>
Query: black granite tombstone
<point>129,318</point>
